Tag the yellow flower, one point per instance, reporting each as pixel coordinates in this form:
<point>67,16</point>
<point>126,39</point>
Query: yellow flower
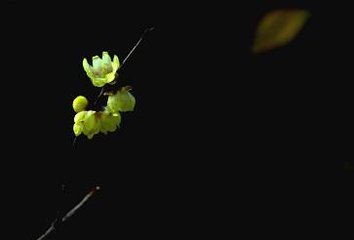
<point>121,101</point>
<point>102,70</point>
<point>86,122</point>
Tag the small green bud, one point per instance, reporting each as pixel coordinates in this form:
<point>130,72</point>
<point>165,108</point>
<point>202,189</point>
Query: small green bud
<point>80,103</point>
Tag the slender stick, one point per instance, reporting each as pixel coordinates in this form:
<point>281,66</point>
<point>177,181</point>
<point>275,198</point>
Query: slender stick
<point>98,96</point>
<point>74,141</point>
<point>69,214</point>
<point>136,45</point>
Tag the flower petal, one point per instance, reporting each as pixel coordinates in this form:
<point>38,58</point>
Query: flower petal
<point>98,82</point>
<point>106,56</point>
<point>107,63</point>
<point>80,116</point>
<point>86,66</point>
<point>110,77</point>
<point>77,128</point>
<point>97,65</point>
<point>115,63</point>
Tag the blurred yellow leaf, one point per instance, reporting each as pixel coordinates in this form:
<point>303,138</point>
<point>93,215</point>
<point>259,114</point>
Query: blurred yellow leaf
<point>277,28</point>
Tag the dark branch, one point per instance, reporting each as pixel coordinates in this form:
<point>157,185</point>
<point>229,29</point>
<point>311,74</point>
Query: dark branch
<point>69,214</point>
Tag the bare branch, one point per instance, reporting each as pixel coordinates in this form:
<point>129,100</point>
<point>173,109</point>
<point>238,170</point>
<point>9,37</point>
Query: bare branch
<point>69,214</point>
<point>136,45</point>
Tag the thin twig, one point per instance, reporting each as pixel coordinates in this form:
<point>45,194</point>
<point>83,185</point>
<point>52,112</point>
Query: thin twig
<point>69,214</point>
<point>98,96</point>
<point>74,141</point>
<point>136,45</point>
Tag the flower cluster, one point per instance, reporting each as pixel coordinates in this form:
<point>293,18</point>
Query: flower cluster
<point>90,122</point>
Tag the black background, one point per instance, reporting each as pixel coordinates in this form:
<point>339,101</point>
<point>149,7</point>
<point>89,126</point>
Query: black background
<point>221,141</point>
